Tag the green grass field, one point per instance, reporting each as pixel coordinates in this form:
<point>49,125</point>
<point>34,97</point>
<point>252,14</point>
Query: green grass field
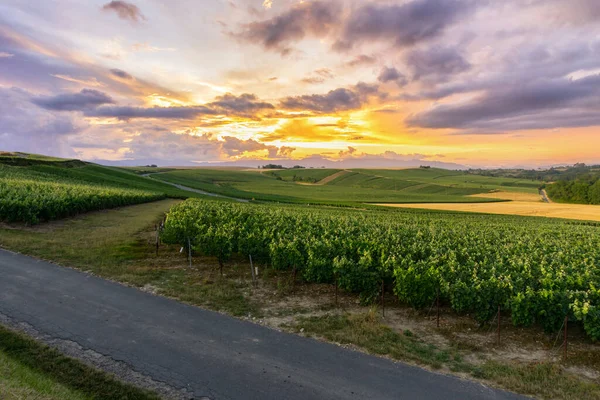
<point>35,189</point>
<point>296,186</point>
<point>348,186</point>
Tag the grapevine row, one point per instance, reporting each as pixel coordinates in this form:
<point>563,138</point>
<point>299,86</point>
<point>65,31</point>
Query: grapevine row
<point>32,198</point>
<point>537,270</point>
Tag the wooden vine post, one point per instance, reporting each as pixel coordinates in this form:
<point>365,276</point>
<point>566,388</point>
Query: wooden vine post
<point>382,298</point>
<point>498,330</point>
<point>157,227</point>
<point>437,300</point>
<point>565,334</point>
<point>253,272</point>
<point>189,252</point>
<point>336,291</point>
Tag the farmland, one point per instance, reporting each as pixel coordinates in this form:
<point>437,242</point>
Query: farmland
<point>39,189</point>
<point>33,198</point>
<point>540,271</point>
<point>347,186</point>
<point>523,208</point>
<point>533,272</point>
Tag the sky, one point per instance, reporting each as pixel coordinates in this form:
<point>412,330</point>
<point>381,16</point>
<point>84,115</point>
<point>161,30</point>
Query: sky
<point>477,83</point>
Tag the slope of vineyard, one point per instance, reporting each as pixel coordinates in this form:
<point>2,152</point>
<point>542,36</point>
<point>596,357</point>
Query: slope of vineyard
<point>347,189</point>
<point>538,270</point>
<point>33,196</point>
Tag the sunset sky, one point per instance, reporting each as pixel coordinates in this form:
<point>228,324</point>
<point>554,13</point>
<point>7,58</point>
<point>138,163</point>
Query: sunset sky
<point>370,82</point>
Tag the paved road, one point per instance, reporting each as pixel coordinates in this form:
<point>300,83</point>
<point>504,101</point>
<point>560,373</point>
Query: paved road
<point>209,353</point>
<point>545,197</point>
<point>189,189</point>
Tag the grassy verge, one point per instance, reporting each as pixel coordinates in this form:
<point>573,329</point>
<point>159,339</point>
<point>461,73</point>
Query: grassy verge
<point>366,331</point>
<point>30,370</point>
<point>118,244</point>
<point>541,379</point>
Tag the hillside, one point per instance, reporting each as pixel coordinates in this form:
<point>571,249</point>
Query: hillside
<point>335,186</point>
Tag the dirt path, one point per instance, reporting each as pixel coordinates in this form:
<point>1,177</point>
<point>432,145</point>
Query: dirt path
<point>545,196</point>
<point>333,177</point>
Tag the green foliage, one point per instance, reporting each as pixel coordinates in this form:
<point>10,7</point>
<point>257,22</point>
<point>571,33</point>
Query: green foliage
<point>538,269</point>
<point>31,196</point>
<point>583,190</point>
<point>348,188</point>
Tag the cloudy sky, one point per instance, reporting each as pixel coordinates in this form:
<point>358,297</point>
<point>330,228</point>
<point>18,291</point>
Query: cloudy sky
<point>372,82</point>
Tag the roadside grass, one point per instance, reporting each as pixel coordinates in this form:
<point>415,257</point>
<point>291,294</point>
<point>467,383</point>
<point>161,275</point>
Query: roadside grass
<point>17,382</point>
<point>545,380</point>
<point>118,245</point>
<point>30,370</point>
<point>366,331</point>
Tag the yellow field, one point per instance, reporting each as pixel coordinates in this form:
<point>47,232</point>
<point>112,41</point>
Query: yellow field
<point>526,208</point>
<point>513,196</point>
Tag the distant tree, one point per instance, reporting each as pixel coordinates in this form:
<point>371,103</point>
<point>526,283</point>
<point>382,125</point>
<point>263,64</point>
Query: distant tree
<point>273,166</point>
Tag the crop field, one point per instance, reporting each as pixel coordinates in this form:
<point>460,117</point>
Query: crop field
<point>524,208</point>
<point>333,186</point>
<point>34,197</point>
<point>36,188</point>
<point>538,270</point>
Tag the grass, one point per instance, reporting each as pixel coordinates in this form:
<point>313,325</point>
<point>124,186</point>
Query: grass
<point>30,370</point>
<point>119,244</point>
<point>360,186</point>
<point>75,171</point>
<point>543,380</point>
<point>18,381</point>
<point>366,331</point>
<point>302,175</point>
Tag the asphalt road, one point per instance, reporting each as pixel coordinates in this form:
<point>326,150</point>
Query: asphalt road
<point>189,189</point>
<point>210,354</point>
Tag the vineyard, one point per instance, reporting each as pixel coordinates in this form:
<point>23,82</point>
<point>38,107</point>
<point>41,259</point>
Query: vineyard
<point>537,270</point>
<point>31,197</point>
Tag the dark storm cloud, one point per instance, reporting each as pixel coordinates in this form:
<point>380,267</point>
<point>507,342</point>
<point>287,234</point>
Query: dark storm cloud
<point>341,99</point>
<point>94,104</point>
<point>127,112</point>
<point>405,25</point>
<point>119,73</point>
<point>436,63</point>
<point>335,100</point>
<point>243,105</point>
<point>538,104</point>
<point>125,10</point>
<point>315,18</point>
<point>391,74</point>
<point>86,99</point>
